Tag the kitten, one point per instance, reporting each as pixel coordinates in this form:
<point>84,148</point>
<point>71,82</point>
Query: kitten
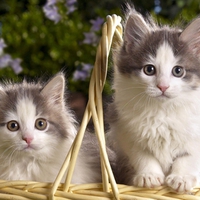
<point>155,126</point>
<point>37,129</point>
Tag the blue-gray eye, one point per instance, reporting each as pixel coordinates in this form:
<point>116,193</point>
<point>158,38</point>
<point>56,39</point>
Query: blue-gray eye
<point>13,126</point>
<point>149,70</point>
<point>178,71</point>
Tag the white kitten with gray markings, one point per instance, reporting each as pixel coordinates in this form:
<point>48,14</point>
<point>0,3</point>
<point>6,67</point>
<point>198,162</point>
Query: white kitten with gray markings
<point>155,126</point>
<point>36,131</point>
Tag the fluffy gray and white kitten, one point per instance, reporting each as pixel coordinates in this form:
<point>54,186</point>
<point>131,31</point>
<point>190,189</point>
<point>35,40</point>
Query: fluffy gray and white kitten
<point>36,131</point>
<point>155,126</point>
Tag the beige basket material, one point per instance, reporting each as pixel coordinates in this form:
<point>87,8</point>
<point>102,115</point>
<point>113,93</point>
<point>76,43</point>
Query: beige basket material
<point>108,189</point>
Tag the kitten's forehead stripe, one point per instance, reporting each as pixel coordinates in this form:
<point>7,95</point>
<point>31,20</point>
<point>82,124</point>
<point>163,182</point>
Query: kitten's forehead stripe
<point>152,42</point>
<point>132,60</point>
<point>27,117</point>
<point>165,59</point>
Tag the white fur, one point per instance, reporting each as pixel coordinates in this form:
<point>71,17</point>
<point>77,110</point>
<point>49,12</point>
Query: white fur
<point>159,134</point>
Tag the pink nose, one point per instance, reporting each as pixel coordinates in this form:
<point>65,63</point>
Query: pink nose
<point>162,88</point>
<point>28,140</point>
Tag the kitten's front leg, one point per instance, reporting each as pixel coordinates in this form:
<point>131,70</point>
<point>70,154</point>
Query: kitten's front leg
<point>183,177</point>
<point>148,171</point>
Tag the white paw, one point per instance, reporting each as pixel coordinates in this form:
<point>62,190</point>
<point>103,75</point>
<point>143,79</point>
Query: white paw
<point>148,180</point>
<point>181,184</point>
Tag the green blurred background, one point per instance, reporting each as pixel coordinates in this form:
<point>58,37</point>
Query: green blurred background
<point>46,47</point>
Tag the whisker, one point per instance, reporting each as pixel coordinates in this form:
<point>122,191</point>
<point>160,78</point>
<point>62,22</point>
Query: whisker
<point>7,149</point>
<point>8,153</point>
<point>13,153</point>
<point>136,105</point>
<point>132,99</point>
<point>149,102</point>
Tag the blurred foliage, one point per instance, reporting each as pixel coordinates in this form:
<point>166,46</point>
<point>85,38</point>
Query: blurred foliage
<point>46,47</point>
<point>179,12</point>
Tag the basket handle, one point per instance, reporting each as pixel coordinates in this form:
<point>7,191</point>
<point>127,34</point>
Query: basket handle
<point>111,34</point>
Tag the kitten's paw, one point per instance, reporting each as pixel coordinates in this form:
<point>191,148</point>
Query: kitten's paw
<point>181,184</point>
<point>148,180</point>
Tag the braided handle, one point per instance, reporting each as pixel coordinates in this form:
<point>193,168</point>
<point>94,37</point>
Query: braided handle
<point>94,109</point>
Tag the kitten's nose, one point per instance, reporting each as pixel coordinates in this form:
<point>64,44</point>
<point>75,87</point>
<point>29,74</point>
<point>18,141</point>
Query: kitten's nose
<point>163,88</point>
<point>28,140</point>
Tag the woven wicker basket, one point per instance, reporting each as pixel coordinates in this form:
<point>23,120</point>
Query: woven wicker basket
<point>108,189</point>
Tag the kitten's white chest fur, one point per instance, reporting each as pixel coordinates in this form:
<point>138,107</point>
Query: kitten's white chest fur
<point>159,131</point>
<point>156,120</point>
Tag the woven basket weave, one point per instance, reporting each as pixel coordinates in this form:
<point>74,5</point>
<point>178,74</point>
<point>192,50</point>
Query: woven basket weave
<point>108,189</point>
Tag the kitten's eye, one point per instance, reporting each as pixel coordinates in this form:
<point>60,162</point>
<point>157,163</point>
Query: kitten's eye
<point>13,126</point>
<point>41,124</point>
<point>178,71</point>
<point>149,70</point>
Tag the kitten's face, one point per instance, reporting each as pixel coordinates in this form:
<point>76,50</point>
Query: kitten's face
<point>32,119</point>
<point>160,62</point>
<point>24,129</point>
<point>163,75</point>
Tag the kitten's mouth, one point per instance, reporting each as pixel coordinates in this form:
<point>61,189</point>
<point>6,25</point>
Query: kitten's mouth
<point>163,96</point>
<point>30,148</point>
<point>160,95</point>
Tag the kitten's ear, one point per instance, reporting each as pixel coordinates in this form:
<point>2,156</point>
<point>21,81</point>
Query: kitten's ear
<point>135,27</point>
<point>54,90</point>
<point>191,35</point>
